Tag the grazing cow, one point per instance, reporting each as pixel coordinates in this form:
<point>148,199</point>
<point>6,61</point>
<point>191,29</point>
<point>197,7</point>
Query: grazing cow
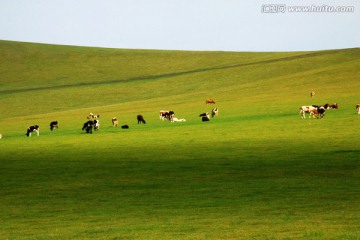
<point>210,101</point>
<point>31,129</point>
<point>321,111</point>
<point>214,112</point>
<point>314,111</point>
<point>312,94</point>
<point>88,126</point>
<point>124,126</point>
<point>114,122</point>
<point>307,109</point>
<point>178,120</point>
<point>140,119</point>
<point>358,108</point>
<point>54,125</point>
<point>205,117</point>
<point>166,115</point>
<point>96,125</point>
<point>92,116</point>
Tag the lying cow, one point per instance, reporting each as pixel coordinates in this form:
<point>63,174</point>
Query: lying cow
<point>210,101</point>
<point>140,119</point>
<point>88,126</point>
<point>205,117</point>
<point>31,129</point>
<point>92,116</point>
<point>54,125</point>
<point>178,120</point>
<point>125,127</point>
<point>331,106</point>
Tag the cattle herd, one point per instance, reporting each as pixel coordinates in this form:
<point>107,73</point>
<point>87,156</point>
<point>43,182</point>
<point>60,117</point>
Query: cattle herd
<point>316,111</point>
<point>93,122</point>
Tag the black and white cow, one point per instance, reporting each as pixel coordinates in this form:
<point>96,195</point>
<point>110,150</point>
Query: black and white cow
<point>321,111</point>
<point>54,125</point>
<point>205,117</point>
<point>31,129</point>
<point>88,126</point>
<point>214,112</point>
<point>96,125</point>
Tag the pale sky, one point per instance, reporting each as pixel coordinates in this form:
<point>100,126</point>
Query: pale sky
<point>226,25</point>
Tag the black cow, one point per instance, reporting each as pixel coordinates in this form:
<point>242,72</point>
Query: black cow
<point>124,126</point>
<point>88,126</point>
<point>31,129</point>
<point>54,125</point>
<point>140,119</point>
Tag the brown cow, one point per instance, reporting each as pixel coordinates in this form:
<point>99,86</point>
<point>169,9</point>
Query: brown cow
<point>210,101</point>
<point>331,106</point>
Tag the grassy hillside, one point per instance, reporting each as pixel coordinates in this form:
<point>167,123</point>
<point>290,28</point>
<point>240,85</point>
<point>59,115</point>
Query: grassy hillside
<point>257,171</point>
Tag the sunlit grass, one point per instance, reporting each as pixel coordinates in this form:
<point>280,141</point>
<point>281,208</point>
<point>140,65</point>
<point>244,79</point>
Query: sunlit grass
<point>257,171</point>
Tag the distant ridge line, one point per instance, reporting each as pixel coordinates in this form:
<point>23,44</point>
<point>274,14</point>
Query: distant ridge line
<point>175,74</point>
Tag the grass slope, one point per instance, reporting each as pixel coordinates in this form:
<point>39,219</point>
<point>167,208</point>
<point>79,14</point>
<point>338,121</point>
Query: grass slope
<point>257,171</point>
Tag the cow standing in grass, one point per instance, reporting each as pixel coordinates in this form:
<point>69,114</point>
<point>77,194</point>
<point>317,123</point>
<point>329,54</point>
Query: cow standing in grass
<point>114,121</point>
<point>31,129</point>
<point>54,125</point>
<point>307,109</point>
<point>214,112</point>
<point>96,125</point>
<point>358,108</point>
<point>88,126</point>
<point>140,119</point>
<point>166,115</point>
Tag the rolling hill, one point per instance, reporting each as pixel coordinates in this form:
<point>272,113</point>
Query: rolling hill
<point>256,171</point>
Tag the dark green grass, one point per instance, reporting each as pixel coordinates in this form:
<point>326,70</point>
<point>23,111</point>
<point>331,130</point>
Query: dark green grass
<point>257,171</point>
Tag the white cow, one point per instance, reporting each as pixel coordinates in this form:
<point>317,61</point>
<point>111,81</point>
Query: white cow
<point>308,109</point>
<point>358,108</point>
<point>174,119</point>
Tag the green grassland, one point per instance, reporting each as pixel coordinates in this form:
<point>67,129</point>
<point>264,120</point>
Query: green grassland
<point>256,171</point>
